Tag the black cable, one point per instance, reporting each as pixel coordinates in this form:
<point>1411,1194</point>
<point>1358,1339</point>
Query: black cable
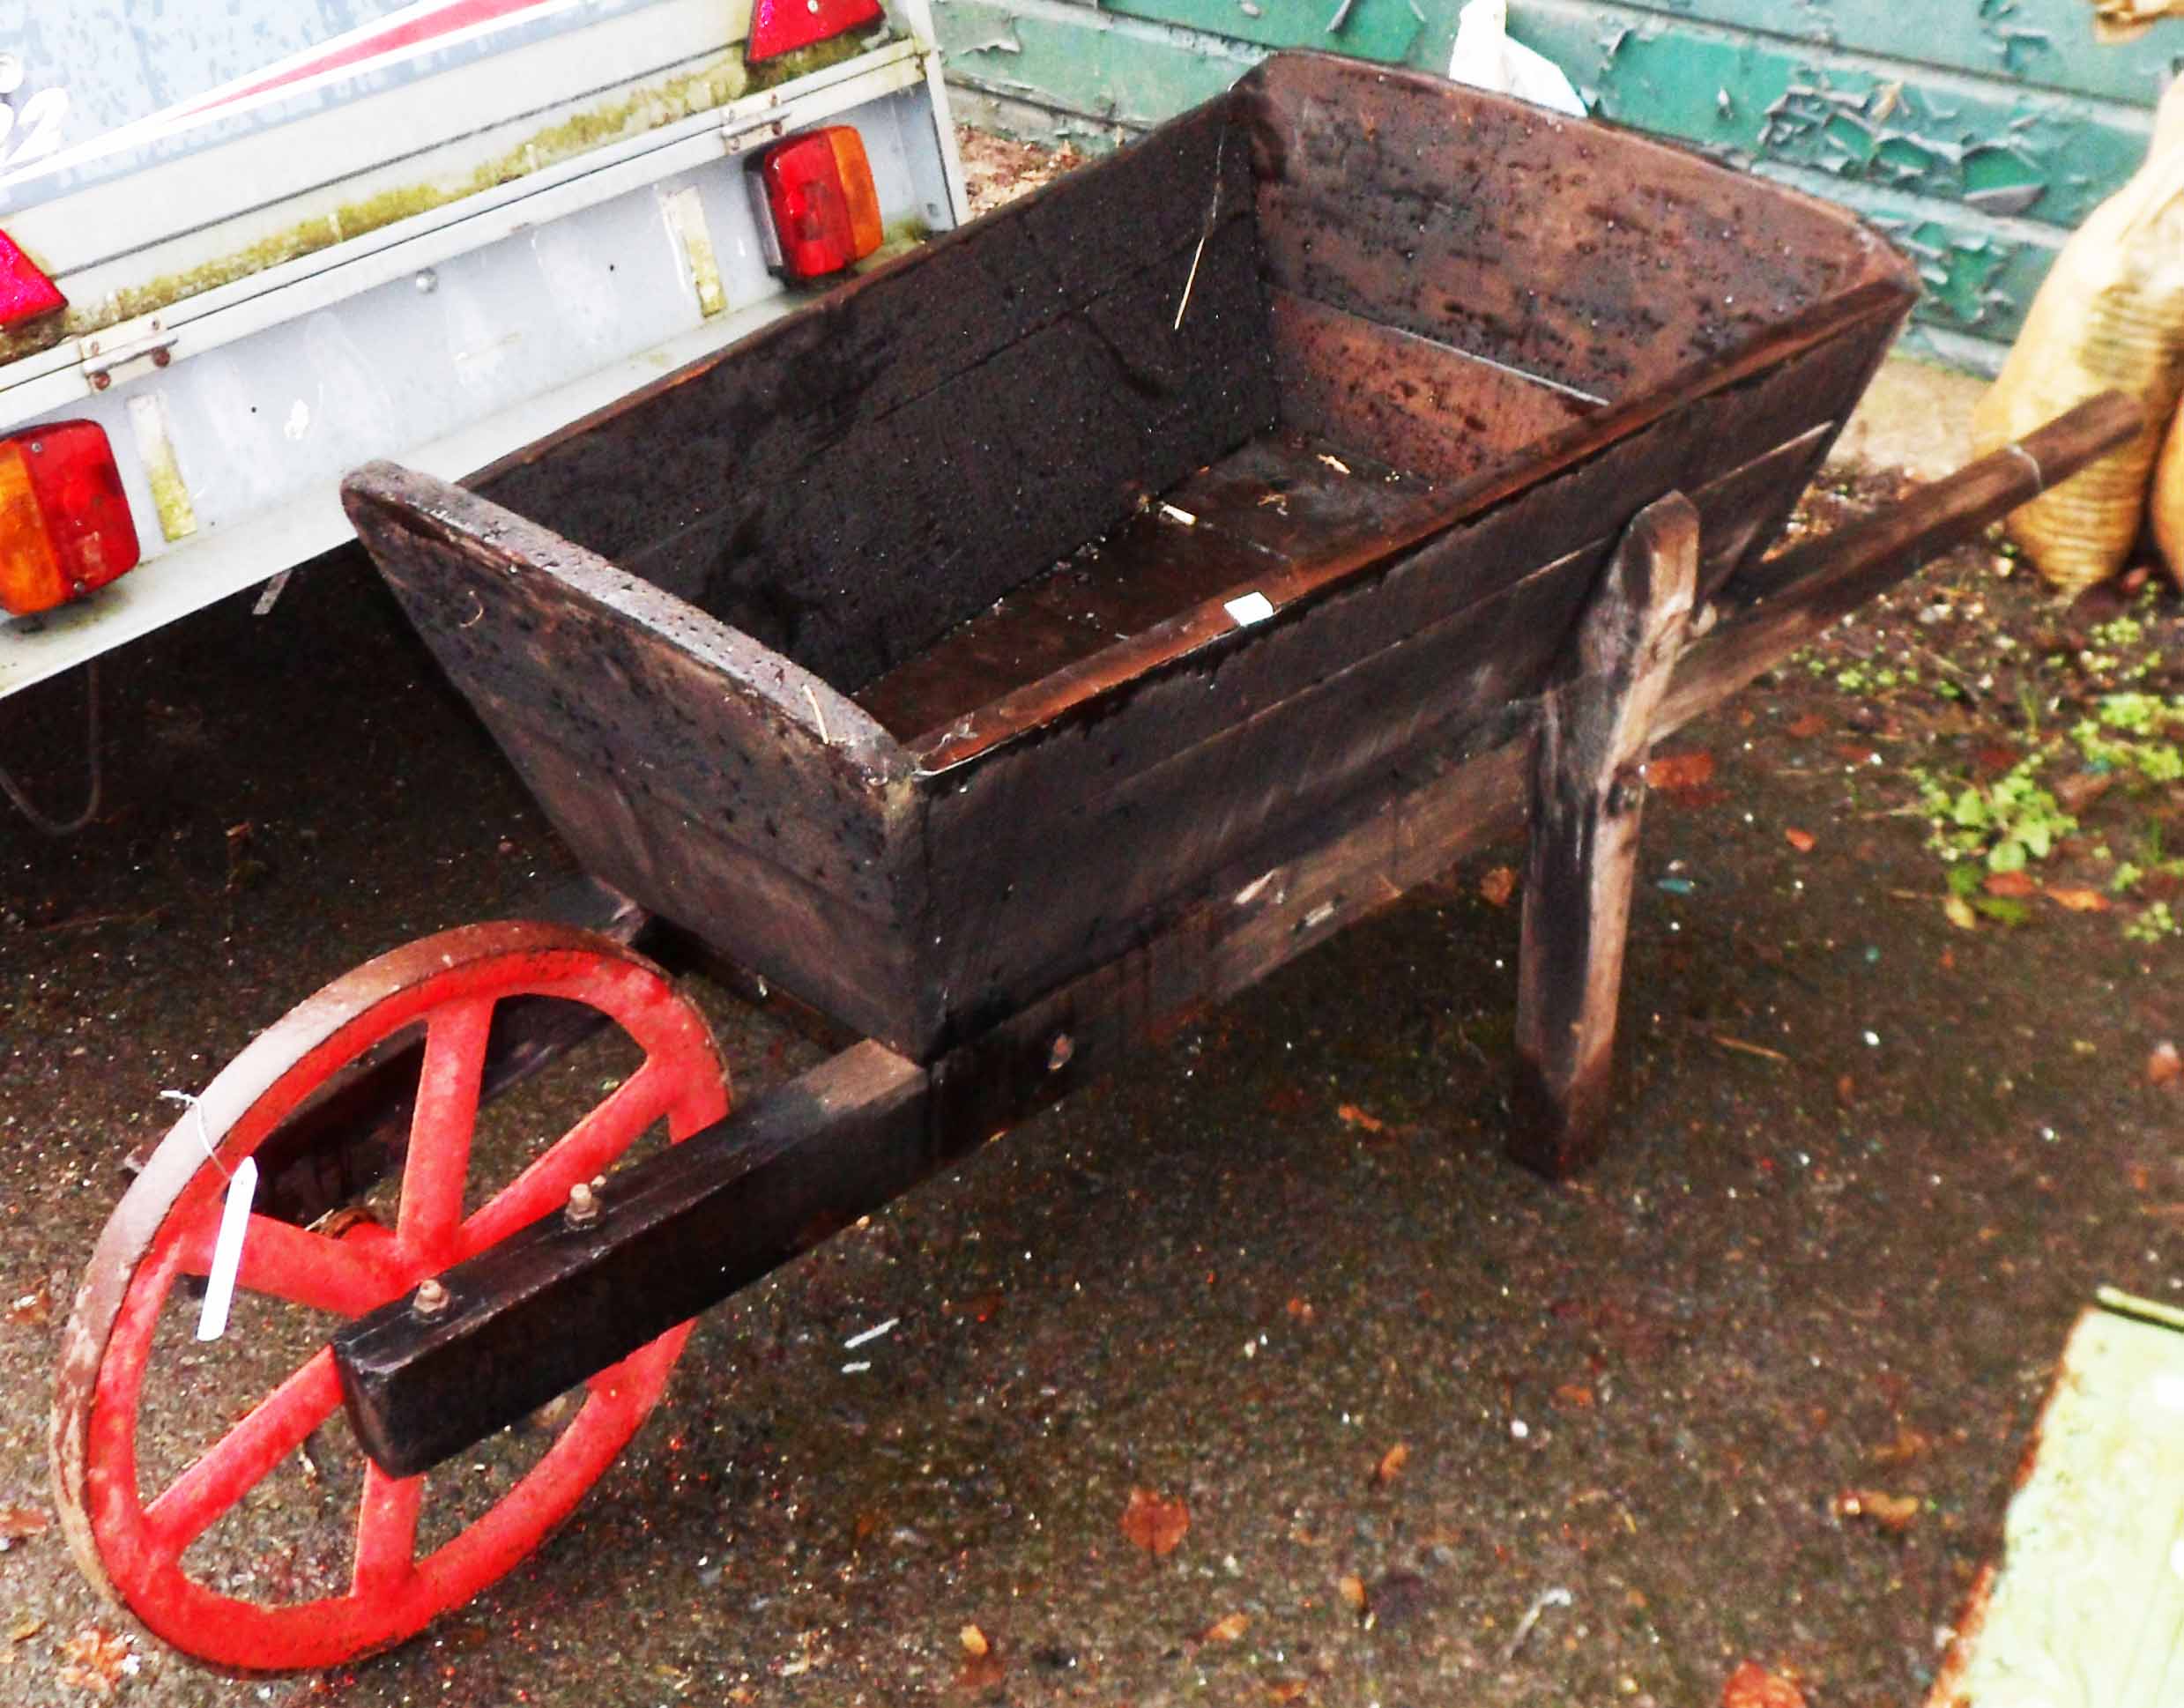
<point>55,827</point>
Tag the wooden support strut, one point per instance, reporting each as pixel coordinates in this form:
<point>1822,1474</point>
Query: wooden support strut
<point>1588,769</point>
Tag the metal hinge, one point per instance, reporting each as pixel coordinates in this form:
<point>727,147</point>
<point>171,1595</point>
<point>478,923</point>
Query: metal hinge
<point>124,352</point>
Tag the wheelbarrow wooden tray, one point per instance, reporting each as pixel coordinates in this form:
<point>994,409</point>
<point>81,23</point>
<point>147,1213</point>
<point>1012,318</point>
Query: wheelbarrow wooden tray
<point>930,648</point>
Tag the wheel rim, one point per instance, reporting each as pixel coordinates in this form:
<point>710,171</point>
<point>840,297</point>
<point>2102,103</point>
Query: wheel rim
<point>163,1230</point>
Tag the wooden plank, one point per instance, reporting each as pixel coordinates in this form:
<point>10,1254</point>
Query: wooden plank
<point>1266,749</point>
<point>710,779</point>
<point>537,1314</point>
<point>1152,566</point>
<point>1174,684</point>
<point>1592,257</point>
<point>1411,402</point>
<point>833,486</point>
<point>1587,794</point>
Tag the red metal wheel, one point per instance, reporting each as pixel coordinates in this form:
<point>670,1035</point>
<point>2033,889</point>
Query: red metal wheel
<point>133,1545</point>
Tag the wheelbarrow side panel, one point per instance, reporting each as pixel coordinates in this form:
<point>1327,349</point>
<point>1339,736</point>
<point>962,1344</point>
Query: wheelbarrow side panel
<point>1607,262</point>
<point>1255,743</point>
<point>704,776</point>
<point>850,482</point>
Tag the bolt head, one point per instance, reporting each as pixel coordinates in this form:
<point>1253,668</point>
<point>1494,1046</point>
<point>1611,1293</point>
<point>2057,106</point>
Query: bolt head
<point>583,1206</point>
<point>431,1297</point>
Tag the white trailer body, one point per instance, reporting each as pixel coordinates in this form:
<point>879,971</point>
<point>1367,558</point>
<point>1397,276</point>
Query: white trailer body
<point>289,248</point>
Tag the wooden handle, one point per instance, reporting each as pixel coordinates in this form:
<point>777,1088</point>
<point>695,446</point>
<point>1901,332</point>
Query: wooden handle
<point>1947,512</point>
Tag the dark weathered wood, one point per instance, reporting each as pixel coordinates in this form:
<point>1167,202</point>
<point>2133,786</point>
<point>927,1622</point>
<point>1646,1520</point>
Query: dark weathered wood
<point>716,783</point>
<point>851,483</point>
<point>1598,259</point>
<point>1406,400</point>
<point>538,1314</point>
<point>1242,738</point>
<point>1588,792</point>
<point>1488,531</point>
<point>1799,591</point>
<point>1279,501</point>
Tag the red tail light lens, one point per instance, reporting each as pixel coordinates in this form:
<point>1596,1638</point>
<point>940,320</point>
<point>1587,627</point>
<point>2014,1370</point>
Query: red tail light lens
<point>779,26</point>
<point>25,293</point>
<point>64,522</point>
<point>820,200</point>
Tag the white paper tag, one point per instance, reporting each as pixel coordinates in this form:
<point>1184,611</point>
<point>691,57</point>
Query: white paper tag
<point>1251,608</point>
<point>219,1289</point>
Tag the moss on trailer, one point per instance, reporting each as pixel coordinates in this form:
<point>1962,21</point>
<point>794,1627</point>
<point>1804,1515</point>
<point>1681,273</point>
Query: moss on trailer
<point>718,83</point>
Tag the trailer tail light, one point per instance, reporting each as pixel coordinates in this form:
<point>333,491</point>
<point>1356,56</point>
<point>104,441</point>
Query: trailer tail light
<point>65,522</point>
<point>821,210</point>
<point>780,26</point>
<point>25,293</point>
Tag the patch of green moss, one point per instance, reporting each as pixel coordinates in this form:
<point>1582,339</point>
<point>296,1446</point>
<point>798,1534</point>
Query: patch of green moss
<point>717,84</point>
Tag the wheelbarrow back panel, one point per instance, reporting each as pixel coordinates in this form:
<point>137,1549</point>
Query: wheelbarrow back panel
<point>1399,359</point>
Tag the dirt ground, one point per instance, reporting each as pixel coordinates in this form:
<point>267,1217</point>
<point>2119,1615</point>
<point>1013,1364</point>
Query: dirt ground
<point>1411,1426</point>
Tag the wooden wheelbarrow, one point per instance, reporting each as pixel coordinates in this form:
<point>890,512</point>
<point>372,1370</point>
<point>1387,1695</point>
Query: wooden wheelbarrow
<point>1009,654</point>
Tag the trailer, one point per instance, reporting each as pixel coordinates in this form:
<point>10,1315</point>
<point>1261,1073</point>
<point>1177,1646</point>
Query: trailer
<point>1009,655</point>
<point>241,254</point>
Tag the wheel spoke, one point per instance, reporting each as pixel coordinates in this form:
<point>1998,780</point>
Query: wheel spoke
<point>440,1132</point>
<point>238,1461</point>
<point>586,1150</point>
<point>386,1532</point>
<point>348,1276</point>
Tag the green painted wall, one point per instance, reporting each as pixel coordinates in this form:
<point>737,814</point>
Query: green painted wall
<point>1977,132</point>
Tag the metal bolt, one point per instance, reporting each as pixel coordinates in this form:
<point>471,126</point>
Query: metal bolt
<point>1058,1058</point>
<point>431,1299</point>
<point>99,382</point>
<point>583,1206</point>
<point>161,357</point>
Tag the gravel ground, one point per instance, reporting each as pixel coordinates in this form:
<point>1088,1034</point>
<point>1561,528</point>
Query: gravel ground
<point>1751,1392</point>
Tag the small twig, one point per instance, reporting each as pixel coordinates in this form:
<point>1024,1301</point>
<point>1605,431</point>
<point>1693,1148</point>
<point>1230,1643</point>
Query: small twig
<point>1341,17</point>
<point>1729,1043</point>
<point>1556,1597</point>
<point>1213,212</point>
<point>818,712</point>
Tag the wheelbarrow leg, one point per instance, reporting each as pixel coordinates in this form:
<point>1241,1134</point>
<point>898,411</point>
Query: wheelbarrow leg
<point>1587,786</point>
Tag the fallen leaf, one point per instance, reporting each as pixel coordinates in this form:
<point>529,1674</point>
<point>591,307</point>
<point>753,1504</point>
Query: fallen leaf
<point>25,1627</point>
<point>974,1640</point>
<point>1498,886</point>
<point>1803,840</point>
<point>1910,1443</point>
<point>1959,913</point>
<point>1155,1523</point>
<point>1391,1465</point>
<point>2010,883</point>
<point>95,1659</point>
<point>1577,1395</point>
<point>1806,727</point>
<point>1352,1590</point>
<point>1352,1116</point>
<point>2079,899</point>
<point>1674,771</point>
<point>1894,1513</point>
<point>1300,1309</point>
<point>1752,1686</point>
<point>20,1523</point>
<point>32,1309</point>
<point>982,1672</point>
<point>2163,1064</point>
<point>1287,1689</point>
<point>1226,1628</point>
